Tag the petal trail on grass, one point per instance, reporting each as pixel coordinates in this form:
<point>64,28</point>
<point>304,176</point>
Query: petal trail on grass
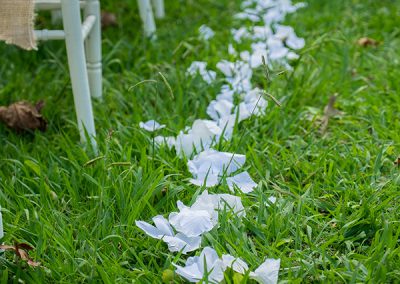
<point>236,101</point>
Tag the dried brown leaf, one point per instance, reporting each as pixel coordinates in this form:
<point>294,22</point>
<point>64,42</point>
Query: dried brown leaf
<point>108,20</point>
<point>366,41</point>
<point>20,250</point>
<point>22,116</point>
<point>329,111</point>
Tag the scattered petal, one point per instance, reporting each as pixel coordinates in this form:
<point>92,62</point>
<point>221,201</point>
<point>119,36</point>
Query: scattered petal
<point>191,222</point>
<point>243,181</point>
<point>151,125</point>
<point>213,164</point>
<point>169,141</point>
<point>196,268</point>
<point>237,264</point>
<point>200,137</point>
<point>161,229</point>
<point>201,68</point>
<point>182,243</point>
<point>268,272</point>
<point>206,32</point>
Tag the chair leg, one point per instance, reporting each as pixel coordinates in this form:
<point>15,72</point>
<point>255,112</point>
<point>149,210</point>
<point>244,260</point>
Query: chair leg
<point>159,8</point>
<point>146,13</point>
<point>77,68</point>
<point>93,49</point>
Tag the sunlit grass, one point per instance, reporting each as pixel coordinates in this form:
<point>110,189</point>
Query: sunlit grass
<point>336,218</point>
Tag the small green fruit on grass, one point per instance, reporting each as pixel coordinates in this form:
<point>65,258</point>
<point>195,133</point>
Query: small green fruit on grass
<point>167,275</point>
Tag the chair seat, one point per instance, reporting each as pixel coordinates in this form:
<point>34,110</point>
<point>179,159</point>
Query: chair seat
<point>52,4</point>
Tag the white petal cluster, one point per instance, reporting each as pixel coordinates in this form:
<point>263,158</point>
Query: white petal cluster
<point>192,222</point>
<point>200,67</point>
<point>210,166</point>
<point>209,264</point>
<point>237,101</point>
<point>163,230</point>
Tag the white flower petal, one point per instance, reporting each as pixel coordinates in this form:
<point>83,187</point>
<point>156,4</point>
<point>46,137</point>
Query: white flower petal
<point>163,225</point>
<point>206,32</point>
<point>226,67</point>
<point>213,163</point>
<point>233,203</point>
<point>205,180</point>
<point>268,272</point>
<point>231,50</point>
<point>201,68</point>
<point>189,272</point>
<point>227,125</point>
<point>195,267</point>
<point>209,203</point>
<point>209,259</point>
<point>199,137</point>
<point>237,264</point>
<point>151,125</point>
<point>219,108</point>
<point>295,42</point>
<point>243,181</point>
<point>165,140</point>
<point>183,243</point>
<point>191,223</point>
<point>150,229</point>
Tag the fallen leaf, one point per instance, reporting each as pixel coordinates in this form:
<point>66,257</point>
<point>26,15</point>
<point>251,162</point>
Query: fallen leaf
<point>20,249</point>
<point>108,19</point>
<point>366,41</point>
<point>22,116</point>
<point>397,162</point>
<point>329,111</point>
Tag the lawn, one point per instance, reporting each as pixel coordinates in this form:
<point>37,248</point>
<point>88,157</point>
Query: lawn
<point>336,218</point>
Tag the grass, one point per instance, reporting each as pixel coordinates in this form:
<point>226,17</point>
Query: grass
<point>337,217</point>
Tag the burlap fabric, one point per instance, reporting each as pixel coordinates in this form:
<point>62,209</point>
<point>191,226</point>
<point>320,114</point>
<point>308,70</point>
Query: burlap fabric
<point>16,23</point>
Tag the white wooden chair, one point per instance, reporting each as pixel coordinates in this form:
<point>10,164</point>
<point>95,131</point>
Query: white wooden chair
<point>83,44</point>
<point>146,13</point>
